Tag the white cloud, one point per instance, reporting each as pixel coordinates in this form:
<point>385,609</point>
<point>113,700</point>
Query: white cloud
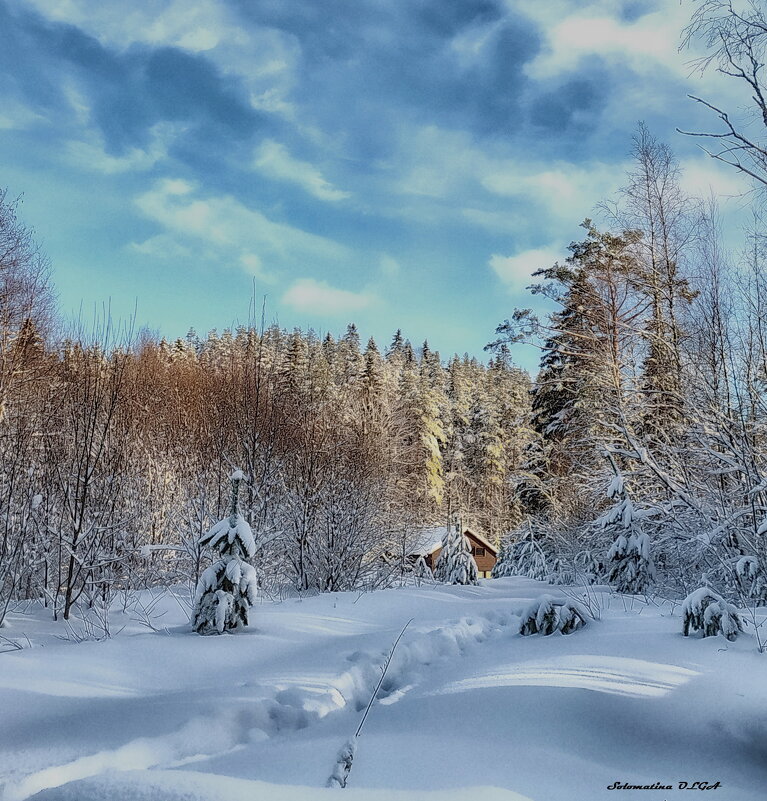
<point>574,31</point>
<point>223,231</point>
<point>319,298</point>
<point>197,26</point>
<point>227,224</point>
<point>516,271</point>
<point>433,162</point>
<point>703,175</point>
<point>162,246</point>
<point>89,153</point>
<point>255,266</point>
<point>565,191</point>
<point>274,161</point>
<point>555,192</point>
<point>167,247</point>
<point>390,267</point>
<point>15,116</point>
<point>264,59</point>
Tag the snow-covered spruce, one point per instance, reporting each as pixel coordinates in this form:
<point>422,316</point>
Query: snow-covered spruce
<point>228,588</point>
<point>588,568</point>
<point>631,565</point>
<point>422,571</point>
<point>546,615</point>
<point>752,579</point>
<point>521,557</point>
<point>456,565</point>
<point>704,610</point>
<point>560,573</point>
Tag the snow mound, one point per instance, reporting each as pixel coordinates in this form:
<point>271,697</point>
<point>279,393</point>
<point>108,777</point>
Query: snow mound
<point>179,785</point>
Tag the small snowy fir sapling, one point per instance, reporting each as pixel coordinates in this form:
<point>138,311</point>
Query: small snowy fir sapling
<point>445,555</point>
<point>546,615</point>
<point>631,566</point>
<point>704,610</point>
<point>752,579</point>
<point>588,568</point>
<point>456,565</point>
<point>521,557</point>
<point>422,571</point>
<point>227,589</point>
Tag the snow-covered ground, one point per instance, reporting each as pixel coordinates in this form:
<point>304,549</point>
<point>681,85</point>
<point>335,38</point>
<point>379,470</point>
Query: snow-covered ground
<point>468,710</point>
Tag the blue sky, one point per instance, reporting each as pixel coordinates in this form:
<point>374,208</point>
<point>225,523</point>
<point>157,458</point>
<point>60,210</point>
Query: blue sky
<point>399,164</point>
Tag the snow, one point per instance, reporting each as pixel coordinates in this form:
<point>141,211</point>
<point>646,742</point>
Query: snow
<point>747,567</point>
<point>615,490</point>
<point>546,615</point>
<point>468,708</point>
<point>230,530</point>
<point>427,540</point>
<point>706,611</point>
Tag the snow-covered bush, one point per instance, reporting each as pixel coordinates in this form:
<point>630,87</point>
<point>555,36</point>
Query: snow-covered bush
<point>546,615</point>
<point>228,588</point>
<point>456,565</point>
<point>631,566</point>
<point>704,610</point>
<point>560,573</point>
<point>521,557</point>
<point>752,579</point>
<point>588,568</point>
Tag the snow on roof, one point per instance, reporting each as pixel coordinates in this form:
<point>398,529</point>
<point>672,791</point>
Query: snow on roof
<point>428,539</point>
<point>479,538</point>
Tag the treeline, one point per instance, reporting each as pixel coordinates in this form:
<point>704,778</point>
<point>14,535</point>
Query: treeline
<point>637,456</point>
<point>116,454</point>
<point>645,427</point>
<point>648,463</point>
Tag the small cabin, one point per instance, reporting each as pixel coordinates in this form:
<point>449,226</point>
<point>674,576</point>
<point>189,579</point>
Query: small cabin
<point>429,546</point>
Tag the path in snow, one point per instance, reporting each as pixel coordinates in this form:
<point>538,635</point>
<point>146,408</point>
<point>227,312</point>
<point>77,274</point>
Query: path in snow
<point>286,702</point>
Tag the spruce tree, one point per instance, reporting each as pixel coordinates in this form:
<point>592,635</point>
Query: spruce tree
<point>455,564</point>
<point>396,350</point>
<point>564,397</point>
<point>521,555</point>
<point>631,565</point>
<point>373,370</point>
<point>227,589</point>
<point>350,361</point>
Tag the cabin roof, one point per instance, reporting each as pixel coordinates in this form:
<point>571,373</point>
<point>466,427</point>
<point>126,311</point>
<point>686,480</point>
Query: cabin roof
<point>429,539</point>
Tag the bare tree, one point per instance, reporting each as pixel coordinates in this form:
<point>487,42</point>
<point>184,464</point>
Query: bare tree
<point>653,202</point>
<point>735,34</point>
<point>26,305</point>
<point>86,448</point>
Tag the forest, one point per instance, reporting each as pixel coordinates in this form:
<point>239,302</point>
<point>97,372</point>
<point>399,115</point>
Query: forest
<point>636,456</point>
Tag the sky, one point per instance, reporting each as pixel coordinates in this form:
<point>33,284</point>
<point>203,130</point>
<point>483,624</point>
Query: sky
<point>396,163</point>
